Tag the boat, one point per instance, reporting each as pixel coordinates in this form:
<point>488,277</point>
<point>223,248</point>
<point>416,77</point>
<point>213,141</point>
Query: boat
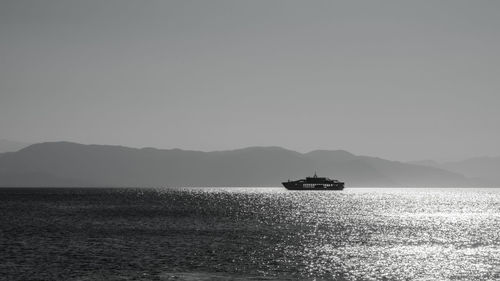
<point>314,183</point>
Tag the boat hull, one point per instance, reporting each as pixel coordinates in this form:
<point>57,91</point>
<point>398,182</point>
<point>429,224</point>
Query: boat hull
<point>300,186</point>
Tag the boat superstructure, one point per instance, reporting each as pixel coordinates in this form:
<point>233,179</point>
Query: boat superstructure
<point>314,183</point>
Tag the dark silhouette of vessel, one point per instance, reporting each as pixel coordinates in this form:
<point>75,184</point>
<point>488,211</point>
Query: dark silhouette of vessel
<point>314,183</point>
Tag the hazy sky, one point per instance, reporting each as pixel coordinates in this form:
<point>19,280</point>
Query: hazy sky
<point>403,80</point>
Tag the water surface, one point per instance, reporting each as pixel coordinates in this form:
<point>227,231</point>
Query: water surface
<point>249,234</point>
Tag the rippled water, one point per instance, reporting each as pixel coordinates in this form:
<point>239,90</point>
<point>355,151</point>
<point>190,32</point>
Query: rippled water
<point>249,234</point>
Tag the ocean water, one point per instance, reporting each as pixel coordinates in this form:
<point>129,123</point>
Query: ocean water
<point>250,234</point>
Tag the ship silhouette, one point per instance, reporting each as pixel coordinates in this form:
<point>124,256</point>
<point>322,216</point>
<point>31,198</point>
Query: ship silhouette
<point>314,183</point>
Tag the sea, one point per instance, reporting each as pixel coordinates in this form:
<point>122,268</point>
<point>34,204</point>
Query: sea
<point>249,234</point>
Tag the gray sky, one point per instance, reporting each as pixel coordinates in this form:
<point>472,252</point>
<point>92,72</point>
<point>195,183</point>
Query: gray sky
<point>402,80</point>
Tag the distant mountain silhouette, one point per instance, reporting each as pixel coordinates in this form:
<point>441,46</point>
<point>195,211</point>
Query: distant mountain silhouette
<point>483,169</point>
<point>72,164</point>
<point>10,146</point>
<point>428,162</point>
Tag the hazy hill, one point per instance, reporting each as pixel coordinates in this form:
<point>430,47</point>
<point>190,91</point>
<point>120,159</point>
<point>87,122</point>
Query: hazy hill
<point>483,169</point>
<point>10,146</point>
<point>429,163</point>
<point>72,164</point>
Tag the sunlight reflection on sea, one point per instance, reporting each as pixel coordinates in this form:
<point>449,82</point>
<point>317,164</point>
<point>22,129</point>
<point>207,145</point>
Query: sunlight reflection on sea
<point>253,234</point>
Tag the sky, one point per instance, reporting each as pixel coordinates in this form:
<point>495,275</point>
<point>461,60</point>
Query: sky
<point>402,80</point>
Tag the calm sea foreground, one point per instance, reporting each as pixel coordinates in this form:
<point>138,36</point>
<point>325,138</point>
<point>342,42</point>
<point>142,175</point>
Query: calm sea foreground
<point>249,234</point>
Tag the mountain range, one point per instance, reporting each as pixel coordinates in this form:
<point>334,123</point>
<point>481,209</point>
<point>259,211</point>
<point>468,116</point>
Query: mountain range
<point>73,164</point>
<point>481,170</point>
<point>8,145</point>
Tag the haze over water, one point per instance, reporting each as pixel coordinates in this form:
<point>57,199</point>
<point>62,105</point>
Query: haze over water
<point>250,233</point>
